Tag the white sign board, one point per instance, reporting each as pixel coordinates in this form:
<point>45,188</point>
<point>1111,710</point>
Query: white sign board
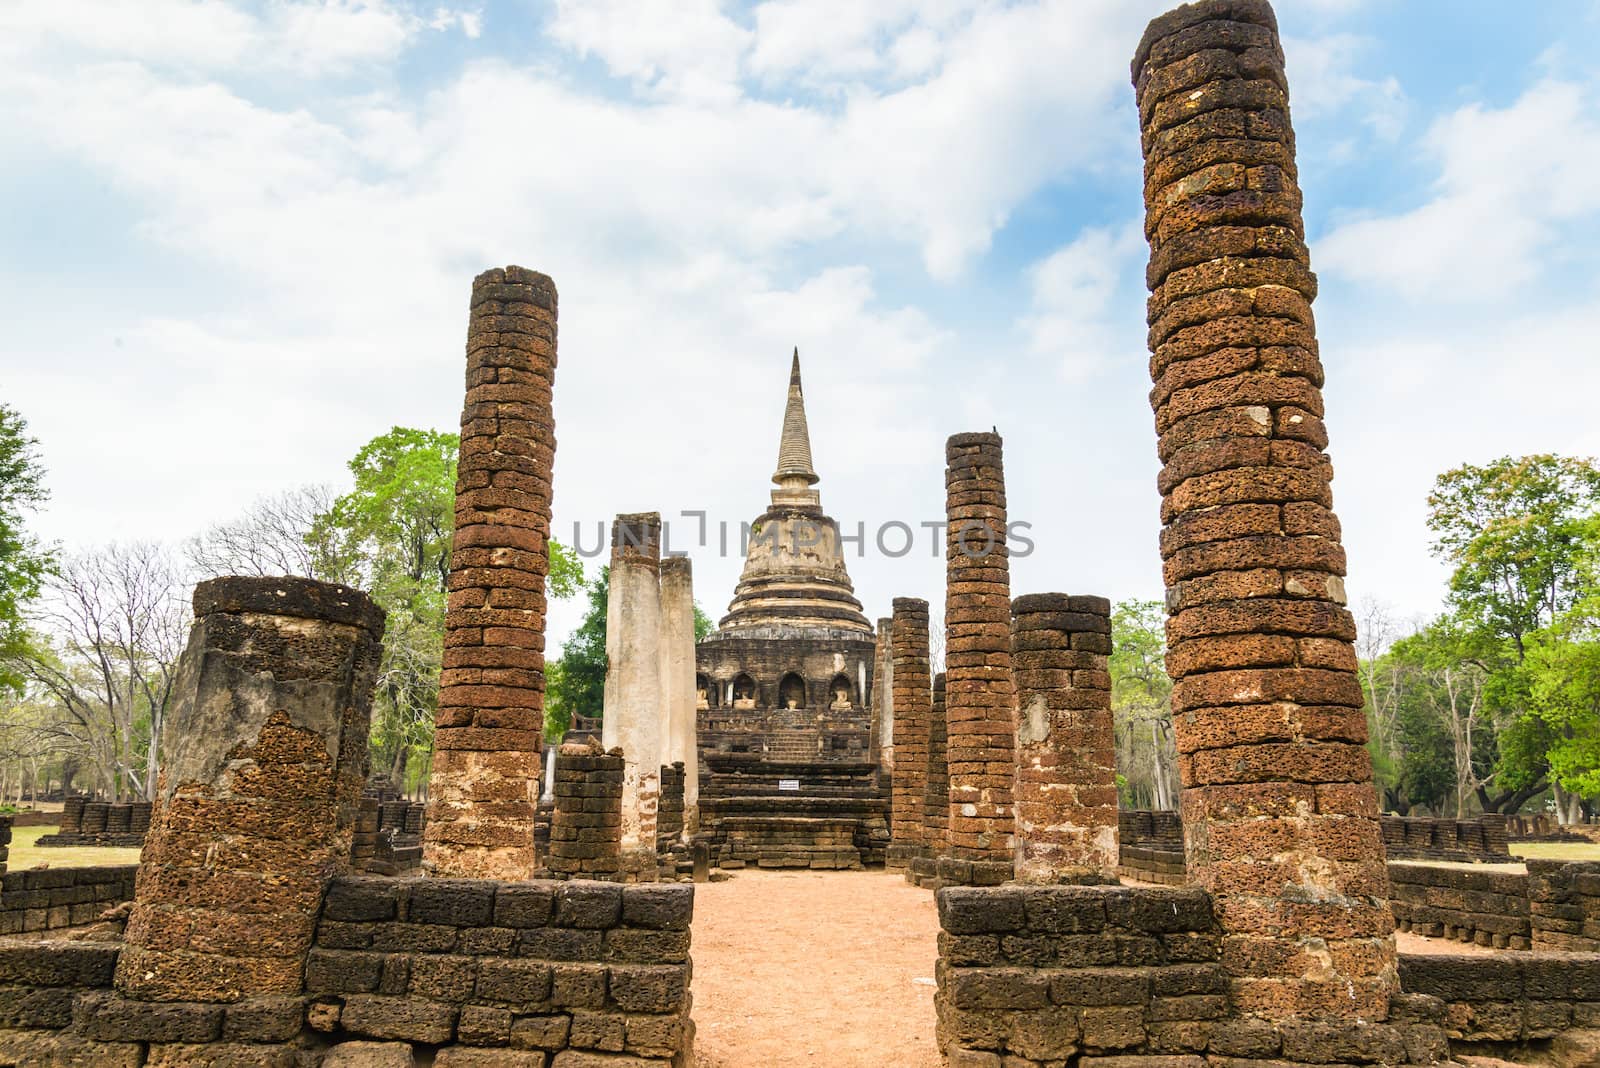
<point>792,785</point>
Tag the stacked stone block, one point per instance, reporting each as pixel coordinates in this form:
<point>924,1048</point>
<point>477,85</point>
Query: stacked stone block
<point>1564,905</point>
<point>453,972</point>
<point>913,709</point>
<point>5,839</point>
<point>669,814</point>
<point>586,827</point>
<point>1278,799</point>
<point>72,815</point>
<point>50,899</point>
<point>815,842</point>
<point>1066,789</point>
<point>1512,1007</point>
<point>485,777</point>
<point>980,699</point>
<point>1427,838</point>
<point>1489,908</point>
<point>257,797</point>
<point>1150,846</point>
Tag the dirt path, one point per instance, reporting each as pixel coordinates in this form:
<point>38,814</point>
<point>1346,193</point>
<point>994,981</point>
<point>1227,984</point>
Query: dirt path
<point>814,968</point>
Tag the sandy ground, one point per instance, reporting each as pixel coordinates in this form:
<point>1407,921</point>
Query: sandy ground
<point>814,968</point>
<point>1406,942</point>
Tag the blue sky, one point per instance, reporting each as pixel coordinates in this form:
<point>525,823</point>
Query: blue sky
<point>238,241</point>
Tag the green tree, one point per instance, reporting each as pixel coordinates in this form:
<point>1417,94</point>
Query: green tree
<point>24,563</point>
<point>391,535</point>
<point>575,684</point>
<point>1141,706</point>
<point>1520,535</point>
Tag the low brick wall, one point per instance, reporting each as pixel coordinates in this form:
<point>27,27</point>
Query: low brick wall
<point>1514,998</point>
<point>1119,977</point>
<point>1485,837</point>
<point>1489,908</point>
<point>469,973</point>
<point>534,966</point>
<point>1564,904</point>
<point>32,901</point>
<point>1043,974</point>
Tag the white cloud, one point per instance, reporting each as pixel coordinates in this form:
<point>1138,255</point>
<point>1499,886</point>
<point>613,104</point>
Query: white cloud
<point>686,48</point>
<point>1324,83</point>
<point>1511,180</point>
<point>1077,321</point>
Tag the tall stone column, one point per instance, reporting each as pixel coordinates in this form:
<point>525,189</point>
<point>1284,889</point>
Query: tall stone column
<point>880,747</point>
<point>1066,752</point>
<point>1278,805</point>
<point>586,824</point>
<point>484,785</point>
<point>913,708</point>
<point>635,703</point>
<point>256,801</point>
<point>980,697</point>
<point>677,680</point>
<point>936,792</point>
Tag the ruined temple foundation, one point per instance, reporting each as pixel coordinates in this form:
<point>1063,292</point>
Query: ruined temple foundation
<point>484,783</point>
<point>980,698</point>
<point>635,705</point>
<point>678,687</point>
<point>257,795</point>
<point>913,708</point>
<point>1278,804</point>
<point>1066,753</point>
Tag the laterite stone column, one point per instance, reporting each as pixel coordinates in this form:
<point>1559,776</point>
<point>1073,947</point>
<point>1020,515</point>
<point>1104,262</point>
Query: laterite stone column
<point>1279,811</point>
<point>257,796</point>
<point>677,681</point>
<point>936,792</point>
<point>635,703</point>
<point>1066,752</point>
<point>913,708</point>
<point>484,784</point>
<point>586,825</point>
<point>980,697</point>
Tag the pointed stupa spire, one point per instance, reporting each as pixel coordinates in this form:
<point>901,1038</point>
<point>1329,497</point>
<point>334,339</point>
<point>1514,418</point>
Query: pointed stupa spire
<point>794,450</point>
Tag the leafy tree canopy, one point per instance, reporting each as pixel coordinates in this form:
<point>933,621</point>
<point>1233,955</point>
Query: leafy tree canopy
<point>24,563</point>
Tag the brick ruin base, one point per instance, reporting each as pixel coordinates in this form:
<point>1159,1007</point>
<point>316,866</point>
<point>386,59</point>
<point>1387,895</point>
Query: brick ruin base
<point>923,871</point>
<point>388,837</point>
<point>1150,846</point>
<point>472,973</point>
<point>55,898</point>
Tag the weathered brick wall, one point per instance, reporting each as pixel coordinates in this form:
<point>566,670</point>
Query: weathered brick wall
<point>6,822</point>
<point>469,973</point>
<point>1515,998</point>
<point>485,776</point>
<point>1564,904</point>
<point>1278,804</point>
<point>913,709</point>
<point>1486,907</point>
<point>1040,975</point>
<point>1427,838</point>
<point>382,843</point>
<point>526,968</point>
<point>1118,977</point>
<point>980,696</point>
<point>1066,787</point>
<point>586,827</point>
<point>61,897</point>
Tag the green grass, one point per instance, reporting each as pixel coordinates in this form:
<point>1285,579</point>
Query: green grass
<point>25,854</point>
<point>1557,850</point>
